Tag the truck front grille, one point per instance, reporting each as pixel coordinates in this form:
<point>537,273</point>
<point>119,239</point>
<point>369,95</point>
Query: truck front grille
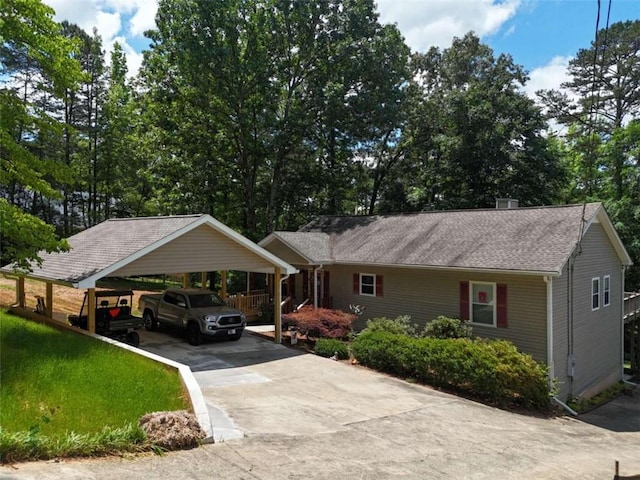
<point>231,320</point>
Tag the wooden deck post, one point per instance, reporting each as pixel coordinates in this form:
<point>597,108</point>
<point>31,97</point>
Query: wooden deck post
<point>203,280</point>
<point>49,300</point>
<point>277,305</point>
<point>223,284</point>
<point>20,292</point>
<point>91,313</point>
<point>185,280</point>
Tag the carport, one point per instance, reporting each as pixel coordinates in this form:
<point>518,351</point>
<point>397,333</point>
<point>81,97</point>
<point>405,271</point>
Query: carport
<point>125,247</point>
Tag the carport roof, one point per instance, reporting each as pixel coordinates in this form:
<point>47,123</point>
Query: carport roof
<point>130,246</point>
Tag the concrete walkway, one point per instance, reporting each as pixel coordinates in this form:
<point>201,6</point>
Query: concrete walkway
<point>292,415</point>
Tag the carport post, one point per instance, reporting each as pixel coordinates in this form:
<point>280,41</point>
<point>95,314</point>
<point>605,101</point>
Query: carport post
<point>203,280</point>
<point>277,305</point>
<point>223,284</point>
<point>185,280</point>
<point>91,313</point>
<point>20,292</point>
<point>49,300</point>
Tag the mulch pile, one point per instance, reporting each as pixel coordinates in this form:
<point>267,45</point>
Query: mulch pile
<point>172,430</point>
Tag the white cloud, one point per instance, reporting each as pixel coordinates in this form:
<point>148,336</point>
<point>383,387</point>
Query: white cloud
<point>144,18</point>
<point>434,23</point>
<point>550,76</point>
<point>114,21</point>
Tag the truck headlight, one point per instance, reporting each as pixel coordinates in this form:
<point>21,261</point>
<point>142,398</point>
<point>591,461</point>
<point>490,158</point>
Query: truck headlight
<point>209,318</point>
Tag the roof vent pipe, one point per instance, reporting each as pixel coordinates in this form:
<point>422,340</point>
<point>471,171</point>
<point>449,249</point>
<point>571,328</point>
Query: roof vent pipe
<point>506,203</point>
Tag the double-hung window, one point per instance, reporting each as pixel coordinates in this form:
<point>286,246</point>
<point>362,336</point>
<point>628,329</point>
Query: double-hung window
<point>483,305</point>
<point>367,284</point>
<point>595,293</point>
<point>606,291</point>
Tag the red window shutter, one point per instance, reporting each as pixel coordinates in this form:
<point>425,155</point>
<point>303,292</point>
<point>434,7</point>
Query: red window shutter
<point>501,315</point>
<point>356,283</point>
<point>464,300</point>
<point>379,286</point>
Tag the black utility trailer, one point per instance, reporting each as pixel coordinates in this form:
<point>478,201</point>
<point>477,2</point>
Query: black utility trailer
<point>113,316</point>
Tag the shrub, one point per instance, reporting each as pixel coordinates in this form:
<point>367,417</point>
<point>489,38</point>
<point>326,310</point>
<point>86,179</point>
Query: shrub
<point>320,322</point>
<point>445,327</point>
<point>327,347</point>
<point>400,325</point>
<point>488,370</point>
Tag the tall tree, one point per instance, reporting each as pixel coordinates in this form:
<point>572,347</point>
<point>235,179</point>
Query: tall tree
<point>27,30</point>
<point>473,135</point>
<point>265,86</point>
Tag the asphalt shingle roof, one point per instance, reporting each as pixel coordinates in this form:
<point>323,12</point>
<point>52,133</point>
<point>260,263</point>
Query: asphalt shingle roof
<point>312,245</point>
<point>105,244</point>
<point>538,239</point>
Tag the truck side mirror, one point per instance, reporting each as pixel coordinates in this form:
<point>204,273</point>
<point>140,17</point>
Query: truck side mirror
<point>181,304</point>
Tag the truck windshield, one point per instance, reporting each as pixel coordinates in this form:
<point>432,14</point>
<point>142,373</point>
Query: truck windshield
<point>205,300</point>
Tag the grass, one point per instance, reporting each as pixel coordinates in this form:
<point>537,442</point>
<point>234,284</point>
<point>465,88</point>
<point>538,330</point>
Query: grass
<point>59,387</point>
<point>581,405</point>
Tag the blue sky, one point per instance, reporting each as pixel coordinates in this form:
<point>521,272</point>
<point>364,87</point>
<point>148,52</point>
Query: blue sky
<point>541,35</point>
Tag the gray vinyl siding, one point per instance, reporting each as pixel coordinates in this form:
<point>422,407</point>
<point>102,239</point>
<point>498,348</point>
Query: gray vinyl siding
<point>425,294</point>
<point>596,334</point>
<point>178,255</point>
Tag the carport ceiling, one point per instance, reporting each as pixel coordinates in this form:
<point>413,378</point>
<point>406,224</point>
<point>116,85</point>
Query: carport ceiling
<point>153,245</point>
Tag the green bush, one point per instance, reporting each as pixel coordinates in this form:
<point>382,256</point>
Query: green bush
<point>327,347</point>
<point>400,325</point>
<point>445,327</point>
<point>494,371</point>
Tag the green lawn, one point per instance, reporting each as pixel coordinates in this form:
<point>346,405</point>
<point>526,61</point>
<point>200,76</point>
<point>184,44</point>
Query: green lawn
<point>54,382</point>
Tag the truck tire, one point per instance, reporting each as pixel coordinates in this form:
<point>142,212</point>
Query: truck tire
<point>133,339</point>
<point>193,334</point>
<point>236,337</point>
<point>150,323</point>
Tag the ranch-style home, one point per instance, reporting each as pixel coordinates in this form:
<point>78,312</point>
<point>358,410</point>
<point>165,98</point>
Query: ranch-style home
<point>549,279</point>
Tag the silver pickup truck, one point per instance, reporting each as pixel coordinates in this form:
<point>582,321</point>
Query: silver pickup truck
<point>200,312</point>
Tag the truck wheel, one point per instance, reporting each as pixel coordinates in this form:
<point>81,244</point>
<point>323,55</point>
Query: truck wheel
<point>133,339</point>
<point>193,334</point>
<point>235,337</point>
<point>150,323</point>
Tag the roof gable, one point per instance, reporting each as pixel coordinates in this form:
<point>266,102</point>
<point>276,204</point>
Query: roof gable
<point>116,246</point>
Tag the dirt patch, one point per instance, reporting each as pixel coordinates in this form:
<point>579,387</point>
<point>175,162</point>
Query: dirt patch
<point>66,300</point>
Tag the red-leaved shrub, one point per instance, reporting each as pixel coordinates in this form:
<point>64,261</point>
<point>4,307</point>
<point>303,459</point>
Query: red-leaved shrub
<point>319,322</point>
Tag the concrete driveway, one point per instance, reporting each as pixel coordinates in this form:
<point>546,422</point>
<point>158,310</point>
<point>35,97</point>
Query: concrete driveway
<point>298,416</point>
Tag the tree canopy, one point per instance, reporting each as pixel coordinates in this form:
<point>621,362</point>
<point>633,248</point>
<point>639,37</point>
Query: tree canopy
<point>268,113</point>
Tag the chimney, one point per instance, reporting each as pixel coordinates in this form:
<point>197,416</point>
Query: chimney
<point>506,203</point>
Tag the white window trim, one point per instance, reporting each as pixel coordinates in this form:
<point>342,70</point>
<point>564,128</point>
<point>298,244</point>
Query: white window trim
<point>495,304</point>
<point>606,290</point>
<point>593,292</point>
<point>374,284</point>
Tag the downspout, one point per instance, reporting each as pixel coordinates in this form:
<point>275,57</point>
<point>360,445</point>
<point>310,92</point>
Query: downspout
<point>550,364</point>
<point>315,285</point>
<point>565,406</point>
<point>551,373</point>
